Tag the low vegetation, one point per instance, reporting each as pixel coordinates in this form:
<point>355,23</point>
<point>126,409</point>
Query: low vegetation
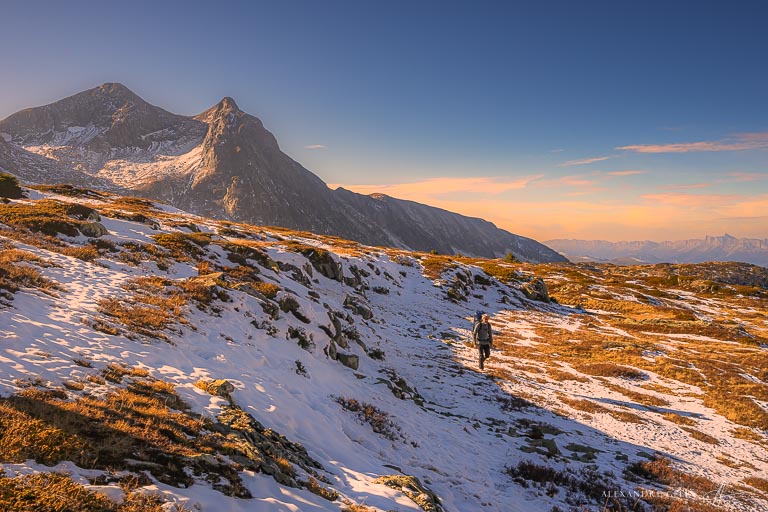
<point>9,186</point>
<point>379,421</point>
<point>56,492</point>
<point>17,271</point>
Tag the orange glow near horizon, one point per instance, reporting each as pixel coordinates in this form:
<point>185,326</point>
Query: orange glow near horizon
<point>580,207</point>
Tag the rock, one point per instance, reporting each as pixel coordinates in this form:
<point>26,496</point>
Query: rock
<point>324,263</point>
<point>249,289</point>
<point>332,350</point>
<point>414,489</point>
<point>221,387</point>
<point>536,289</point>
<point>289,304</point>
<point>93,229</point>
<point>348,360</point>
<point>357,307</point>
<point>207,279</point>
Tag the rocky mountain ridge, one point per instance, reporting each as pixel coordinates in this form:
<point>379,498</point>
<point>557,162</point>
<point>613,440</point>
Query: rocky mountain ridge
<point>224,163</point>
<point>710,248</point>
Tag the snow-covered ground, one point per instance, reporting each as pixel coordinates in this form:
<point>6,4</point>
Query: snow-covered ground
<point>458,435</point>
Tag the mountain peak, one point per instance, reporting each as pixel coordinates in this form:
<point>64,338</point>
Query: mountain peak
<point>225,107</point>
<point>114,90</point>
<point>228,103</point>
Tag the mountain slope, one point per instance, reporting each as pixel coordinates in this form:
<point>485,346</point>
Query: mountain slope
<point>711,248</point>
<point>235,368</point>
<point>224,163</point>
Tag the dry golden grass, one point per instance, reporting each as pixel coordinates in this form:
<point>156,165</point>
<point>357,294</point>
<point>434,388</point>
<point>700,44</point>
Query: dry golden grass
<point>73,385</point>
<point>607,369</point>
<point>157,303</point>
<point>701,436</point>
<point>269,290</point>
<point>14,276</point>
<point>678,419</point>
<point>591,407</point>
<point>758,483</point>
<point>637,397</point>
<point>748,435</point>
<point>660,470</point>
<point>716,368</point>
<point>434,266</point>
<point>183,246</point>
<point>55,492</point>
<point>45,216</point>
<point>562,375</point>
<point>135,423</point>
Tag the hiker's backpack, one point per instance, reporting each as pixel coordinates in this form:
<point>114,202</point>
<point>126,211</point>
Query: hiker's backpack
<point>478,317</point>
<point>483,332</point>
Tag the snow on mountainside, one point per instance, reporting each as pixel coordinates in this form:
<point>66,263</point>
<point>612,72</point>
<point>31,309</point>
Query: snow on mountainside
<point>711,248</point>
<point>224,163</point>
<point>153,355</point>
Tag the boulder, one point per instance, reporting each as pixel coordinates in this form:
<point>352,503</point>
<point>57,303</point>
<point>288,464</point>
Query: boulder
<point>536,289</point>
<point>93,229</point>
<point>357,307</point>
<point>220,387</point>
<point>348,360</point>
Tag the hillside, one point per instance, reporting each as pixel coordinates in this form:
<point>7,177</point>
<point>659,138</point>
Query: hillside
<point>711,248</point>
<point>152,355</point>
<point>225,164</point>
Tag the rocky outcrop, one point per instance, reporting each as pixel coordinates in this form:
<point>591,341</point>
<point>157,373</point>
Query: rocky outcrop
<point>536,289</point>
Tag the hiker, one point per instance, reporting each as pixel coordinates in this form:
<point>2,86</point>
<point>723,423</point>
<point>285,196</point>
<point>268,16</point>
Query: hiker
<point>483,337</point>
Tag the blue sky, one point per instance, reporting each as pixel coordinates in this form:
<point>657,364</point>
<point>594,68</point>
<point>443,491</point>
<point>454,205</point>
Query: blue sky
<point>508,110</point>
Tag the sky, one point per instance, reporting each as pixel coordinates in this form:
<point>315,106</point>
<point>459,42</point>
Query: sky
<point>610,120</point>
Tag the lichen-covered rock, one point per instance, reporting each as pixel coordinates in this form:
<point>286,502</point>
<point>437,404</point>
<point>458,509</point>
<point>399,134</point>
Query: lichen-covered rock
<point>414,489</point>
<point>536,289</point>
<point>220,387</point>
<point>348,360</point>
<point>357,307</point>
<point>93,229</point>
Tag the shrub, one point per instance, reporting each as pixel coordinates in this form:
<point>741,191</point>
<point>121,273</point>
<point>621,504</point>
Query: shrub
<point>314,487</point>
<point>269,290</point>
<point>9,186</point>
<point>379,420</point>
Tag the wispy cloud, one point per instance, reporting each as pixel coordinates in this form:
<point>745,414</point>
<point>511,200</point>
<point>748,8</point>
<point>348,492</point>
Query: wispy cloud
<point>689,186</point>
<point>625,173</point>
<point>419,190</point>
<point>316,146</point>
<point>584,161</point>
<point>558,150</point>
<point>748,176</point>
<point>736,142</point>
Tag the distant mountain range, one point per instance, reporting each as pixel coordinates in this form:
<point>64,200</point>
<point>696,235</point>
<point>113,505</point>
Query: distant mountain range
<point>223,163</point>
<point>711,248</point>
